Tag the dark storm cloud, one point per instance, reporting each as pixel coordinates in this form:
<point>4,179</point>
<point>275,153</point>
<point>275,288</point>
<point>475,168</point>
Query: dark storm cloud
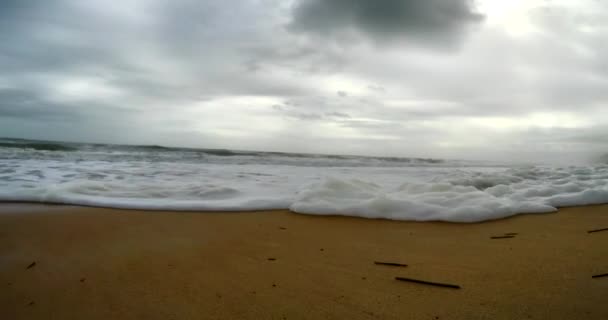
<point>30,105</point>
<point>421,21</point>
<point>24,104</point>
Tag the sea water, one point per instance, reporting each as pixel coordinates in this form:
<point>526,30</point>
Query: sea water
<point>160,178</point>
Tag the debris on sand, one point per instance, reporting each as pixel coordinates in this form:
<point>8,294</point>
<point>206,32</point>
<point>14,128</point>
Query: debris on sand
<point>390,264</point>
<point>597,230</point>
<point>502,237</point>
<point>437,284</point>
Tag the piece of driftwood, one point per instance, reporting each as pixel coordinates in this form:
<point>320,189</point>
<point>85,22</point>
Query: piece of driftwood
<point>502,237</point>
<point>33,264</point>
<point>436,284</point>
<point>597,230</point>
<point>600,275</point>
<point>390,264</point>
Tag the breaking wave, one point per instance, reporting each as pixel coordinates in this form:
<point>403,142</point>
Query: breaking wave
<point>159,178</point>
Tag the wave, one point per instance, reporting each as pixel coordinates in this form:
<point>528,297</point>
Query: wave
<point>117,153</point>
<point>228,153</point>
<point>414,193</point>
<point>42,146</point>
<point>149,147</point>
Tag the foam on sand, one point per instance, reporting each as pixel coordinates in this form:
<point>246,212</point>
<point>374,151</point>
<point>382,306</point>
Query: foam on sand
<point>460,196</point>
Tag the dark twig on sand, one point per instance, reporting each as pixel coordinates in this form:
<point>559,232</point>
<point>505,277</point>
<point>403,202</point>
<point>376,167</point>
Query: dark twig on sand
<point>437,284</point>
<point>600,275</point>
<point>502,237</point>
<point>390,264</point>
<point>597,230</point>
<point>33,264</point>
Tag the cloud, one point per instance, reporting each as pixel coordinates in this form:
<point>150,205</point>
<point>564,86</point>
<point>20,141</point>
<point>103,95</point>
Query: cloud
<point>312,109</point>
<point>23,104</point>
<point>337,76</point>
<point>429,22</point>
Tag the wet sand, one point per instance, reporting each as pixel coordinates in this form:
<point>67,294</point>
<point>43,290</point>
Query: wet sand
<point>95,263</point>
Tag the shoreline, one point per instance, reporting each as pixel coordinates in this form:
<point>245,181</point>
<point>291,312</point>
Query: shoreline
<point>43,206</point>
<point>99,263</point>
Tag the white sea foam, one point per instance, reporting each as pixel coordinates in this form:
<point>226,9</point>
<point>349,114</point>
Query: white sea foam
<point>460,196</point>
<point>379,188</point>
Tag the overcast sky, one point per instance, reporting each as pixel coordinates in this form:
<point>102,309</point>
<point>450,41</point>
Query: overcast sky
<point>429,78</point>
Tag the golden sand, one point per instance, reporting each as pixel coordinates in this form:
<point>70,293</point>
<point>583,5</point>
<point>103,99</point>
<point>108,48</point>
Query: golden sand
<point>115,264</point>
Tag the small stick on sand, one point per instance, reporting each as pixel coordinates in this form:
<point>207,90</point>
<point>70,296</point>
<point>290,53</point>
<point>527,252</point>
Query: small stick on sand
<point>390,264</point>
<point>502,237</point>
<point>597,230</point>
<point>33,264</point>
<point>600,275</point>
<point>437,284</point>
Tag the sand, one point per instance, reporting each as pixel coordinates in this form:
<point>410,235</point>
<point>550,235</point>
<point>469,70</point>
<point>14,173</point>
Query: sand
<point>114,264</point>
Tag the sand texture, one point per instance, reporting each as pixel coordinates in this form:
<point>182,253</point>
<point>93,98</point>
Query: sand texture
<point>60,262</point>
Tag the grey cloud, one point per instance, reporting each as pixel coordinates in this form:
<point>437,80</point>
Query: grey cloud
<point>170,52</point>
<point>23,104</point>
<point>164,57</point>
<point>312,109</point>
<point>376,88</point>
<point>31,105</point>
<point>338,114</point>
<point>437,22</point>
<point>299,57</point>
<point>594,137</point>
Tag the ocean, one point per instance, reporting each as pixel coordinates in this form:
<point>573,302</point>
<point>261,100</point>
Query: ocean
<point>399,188</point>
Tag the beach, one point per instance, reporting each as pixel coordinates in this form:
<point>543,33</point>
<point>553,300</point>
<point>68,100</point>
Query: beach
<point>68,262</point>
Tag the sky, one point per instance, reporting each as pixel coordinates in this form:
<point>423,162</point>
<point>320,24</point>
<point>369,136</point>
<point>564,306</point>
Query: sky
<point>488,79</point>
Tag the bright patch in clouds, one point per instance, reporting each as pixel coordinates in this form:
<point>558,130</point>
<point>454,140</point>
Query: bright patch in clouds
<point>513,16</point>
<point>531,121</point>
<point>83,88</point>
